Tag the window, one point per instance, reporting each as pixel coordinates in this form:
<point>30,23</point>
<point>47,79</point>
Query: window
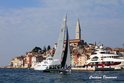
<point>103,52</point>
<point>95,58</point>
<point>50,59</point>
<point>45,62</point>
<point>93,53</point>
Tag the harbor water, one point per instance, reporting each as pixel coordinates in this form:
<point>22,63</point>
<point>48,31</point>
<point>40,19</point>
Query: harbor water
<point>31,76</point>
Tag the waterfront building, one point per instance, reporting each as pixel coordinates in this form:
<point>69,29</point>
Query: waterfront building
<point>77,58</point>
<point>17,62</point>
<point>81,60</point>
<point>28,60</point>
<point>33,60</point>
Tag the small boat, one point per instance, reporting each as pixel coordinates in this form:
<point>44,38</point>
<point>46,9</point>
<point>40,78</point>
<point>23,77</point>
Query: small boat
<point>61,59</point>
<point>103,60</point>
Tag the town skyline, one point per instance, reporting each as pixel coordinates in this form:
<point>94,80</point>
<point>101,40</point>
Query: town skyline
<point>28,23</point>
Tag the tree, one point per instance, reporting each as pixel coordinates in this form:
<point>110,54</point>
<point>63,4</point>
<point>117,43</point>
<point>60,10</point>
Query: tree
<point>36,49</point>
<point>81,44</point>
<point>48,47</point>
<point>44,49</point>
<point>123,45</point>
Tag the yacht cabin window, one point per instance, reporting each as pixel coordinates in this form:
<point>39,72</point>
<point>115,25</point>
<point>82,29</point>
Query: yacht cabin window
<point>93,53</point>
<point>95,58</point>
<point>50,59</point>
<point>103,52</point>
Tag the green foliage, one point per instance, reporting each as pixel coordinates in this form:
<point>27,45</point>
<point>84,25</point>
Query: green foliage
<point>36,49</point>
<point>48,47</point>
<point>44,49</point>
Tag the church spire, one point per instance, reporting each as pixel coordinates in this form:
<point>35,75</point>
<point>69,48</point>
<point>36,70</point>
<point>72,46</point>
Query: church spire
<point>78,30</point>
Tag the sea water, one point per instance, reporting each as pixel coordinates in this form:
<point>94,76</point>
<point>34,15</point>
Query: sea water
<point>32,76</point>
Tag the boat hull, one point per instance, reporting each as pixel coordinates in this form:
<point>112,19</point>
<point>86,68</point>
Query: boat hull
<point>105,69</point>
<point>93,68</point>
<point>61,71</point>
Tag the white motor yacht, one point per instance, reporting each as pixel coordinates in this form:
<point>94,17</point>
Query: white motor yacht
<point>102,59</point>
<point>44,64</point>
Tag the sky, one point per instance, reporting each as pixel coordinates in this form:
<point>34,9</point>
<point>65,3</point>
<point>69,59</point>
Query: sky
<point>25,24</point>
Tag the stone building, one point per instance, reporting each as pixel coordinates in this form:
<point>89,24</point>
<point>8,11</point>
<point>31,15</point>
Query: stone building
<point>77,40</point>
<point>17,62</point>
<point>78,59</point>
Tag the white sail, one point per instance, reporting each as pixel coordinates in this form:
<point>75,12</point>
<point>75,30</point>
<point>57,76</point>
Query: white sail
<point>61,59</point>
<point>66,57</point>
<point>60,45</point>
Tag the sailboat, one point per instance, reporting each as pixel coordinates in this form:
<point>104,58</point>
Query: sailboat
<point>61,59</point>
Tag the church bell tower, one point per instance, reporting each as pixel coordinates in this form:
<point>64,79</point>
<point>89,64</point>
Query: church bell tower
<point>78,30</point>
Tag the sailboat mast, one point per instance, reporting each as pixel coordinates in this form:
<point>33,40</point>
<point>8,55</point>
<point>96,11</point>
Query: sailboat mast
<point>63,63</point>
<point>66,57</point>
